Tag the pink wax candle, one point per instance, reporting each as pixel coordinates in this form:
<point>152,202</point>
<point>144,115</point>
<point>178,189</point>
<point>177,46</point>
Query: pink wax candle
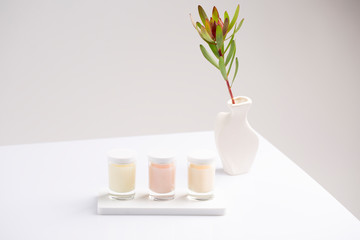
<point>161,175</point>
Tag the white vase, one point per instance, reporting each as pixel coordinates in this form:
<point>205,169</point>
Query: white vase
<point>236,141</point>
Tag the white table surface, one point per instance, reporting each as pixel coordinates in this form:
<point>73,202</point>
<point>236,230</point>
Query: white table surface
<point>49,190</point>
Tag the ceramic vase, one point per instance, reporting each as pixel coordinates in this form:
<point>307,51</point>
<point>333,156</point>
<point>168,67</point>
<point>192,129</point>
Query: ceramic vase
<point>236,141</point>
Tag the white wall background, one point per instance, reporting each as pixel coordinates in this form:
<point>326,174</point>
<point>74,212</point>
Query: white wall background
<point>92,69</point>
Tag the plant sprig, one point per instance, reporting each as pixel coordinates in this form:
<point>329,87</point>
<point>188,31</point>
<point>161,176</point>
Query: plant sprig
<point>214,32</point>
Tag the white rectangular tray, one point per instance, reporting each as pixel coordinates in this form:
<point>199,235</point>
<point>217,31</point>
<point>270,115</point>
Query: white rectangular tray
<point>142,205</point>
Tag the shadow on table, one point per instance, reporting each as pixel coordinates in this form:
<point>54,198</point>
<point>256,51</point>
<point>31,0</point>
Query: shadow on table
<point>220,171</point>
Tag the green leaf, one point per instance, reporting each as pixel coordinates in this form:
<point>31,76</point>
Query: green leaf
<point>232,35</point>
<point>233,21</point>
<point>204,34</point>
<point>231,63</point>
<point>226,15</point>
<point>240,24</point>
<point>236,70</point>
<point>219,37</point>
<point>202,14</point>
<point>214,50</point>
<point>222,68</point>
<point>231,53</point>
<point>231,38</point>
<point>215,14</point>
<point>206,40</point>
<point>208,57</point>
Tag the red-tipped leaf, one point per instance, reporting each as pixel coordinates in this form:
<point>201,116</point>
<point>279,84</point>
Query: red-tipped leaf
<point>225,27</point>
<point>208,28</point>
<point>213,27</point>
<point>202,14</point>
<point>215,14</point>
<point>226,15</point>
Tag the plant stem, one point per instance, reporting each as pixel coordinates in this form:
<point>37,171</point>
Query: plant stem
<point>229,88</point>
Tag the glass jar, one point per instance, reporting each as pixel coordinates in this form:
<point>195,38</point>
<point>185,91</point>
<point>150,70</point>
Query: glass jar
<point>201,174</point>
<point>161,175</point>
<point>122,171</point>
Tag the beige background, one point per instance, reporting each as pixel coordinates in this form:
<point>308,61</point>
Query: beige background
<point>93,69</point>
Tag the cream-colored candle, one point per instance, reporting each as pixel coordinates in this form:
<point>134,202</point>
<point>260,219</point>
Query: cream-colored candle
<point>122,177</point>
<point>201,174</point>
<point>122,171</point>
<point>161,175</point>
<point>201,178</point>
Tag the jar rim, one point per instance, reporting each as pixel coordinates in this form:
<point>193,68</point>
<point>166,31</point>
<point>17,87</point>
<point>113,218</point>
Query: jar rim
<point>121,155</point>
<point>161,156</point>
<point>202,156</point>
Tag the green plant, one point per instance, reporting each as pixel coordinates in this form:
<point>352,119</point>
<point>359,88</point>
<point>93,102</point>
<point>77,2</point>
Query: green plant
<point>214,32</point>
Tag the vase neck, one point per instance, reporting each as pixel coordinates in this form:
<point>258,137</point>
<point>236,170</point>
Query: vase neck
<point>241,106</point>
<point>240,110</point>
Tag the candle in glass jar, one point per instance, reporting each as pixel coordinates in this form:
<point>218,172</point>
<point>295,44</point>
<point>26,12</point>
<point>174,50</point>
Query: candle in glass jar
<point>201,174</point>
<point>122,171</point>
<point>161,175</point>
